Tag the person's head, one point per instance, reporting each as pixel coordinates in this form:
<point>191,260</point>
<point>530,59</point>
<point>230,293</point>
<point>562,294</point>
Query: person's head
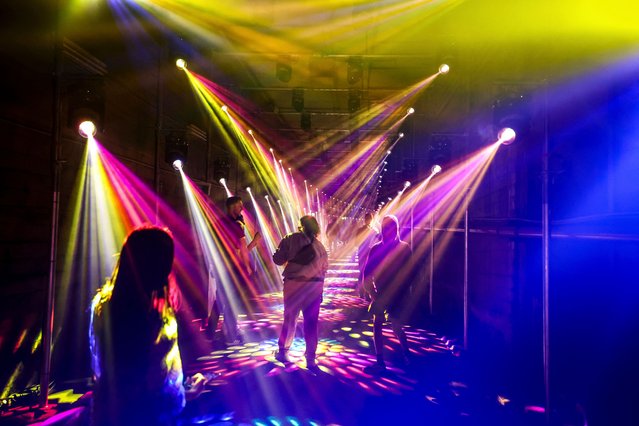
<point>390,228</point>
<point>309,226</point>
<point>234,205</point>
<point>368,219</point>
<point>146,261</point>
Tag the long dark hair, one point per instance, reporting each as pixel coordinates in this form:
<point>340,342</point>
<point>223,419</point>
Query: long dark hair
<point>143,275</point>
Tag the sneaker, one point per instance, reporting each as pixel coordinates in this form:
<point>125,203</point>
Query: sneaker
<point>312,366</point>
<point>282,356</point>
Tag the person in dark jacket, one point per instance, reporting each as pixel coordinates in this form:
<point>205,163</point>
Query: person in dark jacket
<point>387,278</point>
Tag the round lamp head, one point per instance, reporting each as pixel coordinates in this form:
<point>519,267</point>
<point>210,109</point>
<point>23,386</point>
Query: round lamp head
<point>181,64</point>
<point>506,136</point>
<point>87,129</point>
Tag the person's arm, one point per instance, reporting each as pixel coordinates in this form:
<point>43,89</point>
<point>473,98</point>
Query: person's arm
<point>369,278</point>
<point>280,257</point>
<point>256,239</point>
<point>244,256</point>
<point>194,386</point>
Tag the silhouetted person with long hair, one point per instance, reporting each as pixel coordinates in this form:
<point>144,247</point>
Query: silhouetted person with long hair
<point>133,336</point>
<point>306,263</point>
<point>387,278</point>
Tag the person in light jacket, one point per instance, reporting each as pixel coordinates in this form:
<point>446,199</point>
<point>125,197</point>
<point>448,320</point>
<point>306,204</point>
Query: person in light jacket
<point>306,263</point>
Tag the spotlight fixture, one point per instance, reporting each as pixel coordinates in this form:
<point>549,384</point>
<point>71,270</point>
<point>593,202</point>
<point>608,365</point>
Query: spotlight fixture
<point>388,152</point>
<point>250,132</point>
<point>506,136</point>
<point>283,70</point>
<point>512,109</point>
<point>305,121</point>
<point>354,100</point>
<point>444,68</point>
<point>225,108</point>
<point>411,110</point>
<point>248,189</point>
<point>435,169</point>
<point>222,169</point>
<point>181,64</point>
<point>176,148</point>
<point>355,69</point>
<point>401,135</point>
<point>297,100</point>
<point>86,103</point>
<point>406,184</point>
<point>87,129</point>
<point>177,164</point>
<point>266,196</point>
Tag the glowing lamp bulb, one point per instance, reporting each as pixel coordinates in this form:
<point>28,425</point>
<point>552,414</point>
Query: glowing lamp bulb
<point>248,189</point>
<point>270,149</point>
<point>444,68</point>
<point>181,64</point>
<point>411,110</point>
<point>388,152</point>
<point>507,136</point>
<point>436,169</point>
<point>250,132</point>
<point>401,135</point>
<point>223,181</point>
<point>266,196</point>
<point>406,184</point>
<point>87,129</point>
<point>225,108</point>
<point>177,164</point>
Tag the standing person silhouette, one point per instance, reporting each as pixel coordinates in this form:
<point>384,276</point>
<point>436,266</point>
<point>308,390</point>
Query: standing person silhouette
<point>306,263</point>
<point>387,278</point>
<point>232,295</point>
<point>365,237</point>
<point>133,337</point>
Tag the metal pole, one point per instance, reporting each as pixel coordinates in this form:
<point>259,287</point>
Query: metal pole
<point>47,328</point>
<point>545,239</point>
<point>466,279</point>
<point>159,120</point>
<point>412,227</point>
<point>432,261</point>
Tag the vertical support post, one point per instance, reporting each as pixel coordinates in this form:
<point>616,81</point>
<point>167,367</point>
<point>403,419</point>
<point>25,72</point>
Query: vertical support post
<point>159,124</point>
<point>545,241</point>
<point>432,261</point>
<point>47,328</point>
<point>466,279</point>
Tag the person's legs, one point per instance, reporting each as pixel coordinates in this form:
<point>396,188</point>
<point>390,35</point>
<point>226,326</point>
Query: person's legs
<point>398,329</point>
<point>291,311</point>
<point>378,337</point>
<point>311,320</point>
<point>229,325</point>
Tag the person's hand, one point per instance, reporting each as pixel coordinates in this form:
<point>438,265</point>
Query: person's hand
<point>194,386</point>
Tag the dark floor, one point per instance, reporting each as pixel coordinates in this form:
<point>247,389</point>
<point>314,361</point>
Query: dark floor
<point>438,386</point>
